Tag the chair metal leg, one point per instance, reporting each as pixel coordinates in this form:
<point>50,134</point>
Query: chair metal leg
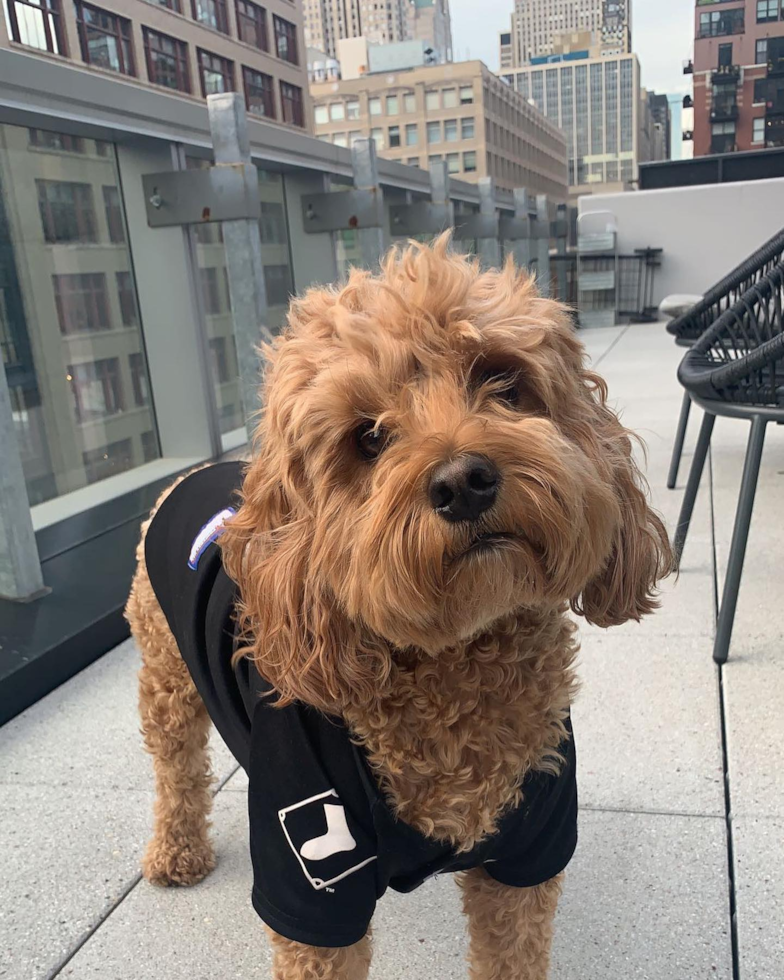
<point>740,536</point>
<point>692,484</point>
<point>680,436</point>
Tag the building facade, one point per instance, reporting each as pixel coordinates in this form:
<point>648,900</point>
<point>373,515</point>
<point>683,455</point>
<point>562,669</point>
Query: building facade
<point>461,113</point>
<point>193,48</point>
<point>430,21</point>
<point>598,105</point>
<point>541,27</point>
<point>662,118</point>
<point>738,75</point>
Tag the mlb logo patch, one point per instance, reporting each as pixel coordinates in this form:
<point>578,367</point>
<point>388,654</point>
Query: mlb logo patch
<point>319,832</point>
<point>211,531</point>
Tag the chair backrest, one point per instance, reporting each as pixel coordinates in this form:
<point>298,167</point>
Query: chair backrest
<point>740,358</point>
<point>692,324</point>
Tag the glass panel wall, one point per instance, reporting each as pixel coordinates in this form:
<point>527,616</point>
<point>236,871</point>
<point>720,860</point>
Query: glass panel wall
<point>70,330</point>
<point>216,300</point>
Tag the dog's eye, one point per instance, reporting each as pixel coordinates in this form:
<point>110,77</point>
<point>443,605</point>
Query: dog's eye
<point>371,439</point>
<point>503,385</point>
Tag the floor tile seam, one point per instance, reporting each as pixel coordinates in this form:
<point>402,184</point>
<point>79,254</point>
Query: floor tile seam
<point>649,812</point>
<point>595,363</point>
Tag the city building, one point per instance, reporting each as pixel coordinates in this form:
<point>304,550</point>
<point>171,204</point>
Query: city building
<point>662,119</point>
<point>430,21</point>
<point>543,27</point>
<point>598,105</point>
<point>461,113</point>
<point>329,21</point>
<point>738,75</point>
<point>190,47</point>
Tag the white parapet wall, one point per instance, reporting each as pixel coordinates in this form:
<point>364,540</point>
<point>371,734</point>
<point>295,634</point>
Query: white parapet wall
<point>705,231</point>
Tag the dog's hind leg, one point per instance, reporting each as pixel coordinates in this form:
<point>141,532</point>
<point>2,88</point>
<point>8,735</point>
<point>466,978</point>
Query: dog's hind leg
<point>511,929</point>
<point>176,727</point>
<point>294,961</point>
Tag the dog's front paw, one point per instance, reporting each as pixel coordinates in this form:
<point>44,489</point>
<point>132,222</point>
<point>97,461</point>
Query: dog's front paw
<point>178,863</point>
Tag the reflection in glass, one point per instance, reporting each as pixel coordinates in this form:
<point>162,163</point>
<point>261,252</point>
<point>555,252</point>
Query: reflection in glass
<point>70,331</point>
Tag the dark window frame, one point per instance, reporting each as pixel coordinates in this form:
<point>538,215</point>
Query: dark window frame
<point>219,22</point>
<point>52,15</point>
<point>292,105</point>
<point>180,58</point>
<point>285,31</point>
<point>81,296</point>
<point>71,144</point>
<point>266,90</point>
<point>140,383</point>
<point>723,61</point>
<point>112,203</point>
<point>85,221</point>
<point>126,298</point>
<point>225,69</point>
<point>722,23</point>
<point>123,35</point>
<point>105,370</point>
<point>252,18</point>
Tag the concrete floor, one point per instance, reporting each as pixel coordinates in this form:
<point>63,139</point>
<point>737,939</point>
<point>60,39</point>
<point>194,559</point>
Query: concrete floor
<point>650,891</point>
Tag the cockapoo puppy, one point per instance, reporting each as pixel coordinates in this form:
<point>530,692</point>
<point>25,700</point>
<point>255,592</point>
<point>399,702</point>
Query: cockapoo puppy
<point>375,612</point>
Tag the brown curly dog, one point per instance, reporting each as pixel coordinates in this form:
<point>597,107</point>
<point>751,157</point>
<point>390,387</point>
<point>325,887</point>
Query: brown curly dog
<point>437,480</point>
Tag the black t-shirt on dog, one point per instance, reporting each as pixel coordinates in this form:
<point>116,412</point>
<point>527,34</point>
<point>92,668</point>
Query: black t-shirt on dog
<point>324,843</point>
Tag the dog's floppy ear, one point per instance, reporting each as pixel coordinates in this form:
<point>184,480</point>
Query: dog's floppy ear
<point>625,588</point>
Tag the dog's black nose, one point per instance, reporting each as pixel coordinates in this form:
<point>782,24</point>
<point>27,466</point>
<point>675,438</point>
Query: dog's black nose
<point>464,488</point>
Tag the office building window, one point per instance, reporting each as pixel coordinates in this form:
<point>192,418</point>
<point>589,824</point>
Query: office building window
<point>167,61</point>
<point>767,10</point>
<point>466,94</point>
<point>760,91</point>
<point>453,163</point>
<point>127,299</point>
<point>59,142</point>
<point>352,109</point>
<point>717,23</point>
<point>286,40</point>
<point>175,5</point>
<point>81,301</point>
<point>277,280</point>
<point>450,130</point>
<point>320,115</point>
<point>252,24</point>
<point>139,384</point>
<point>337,112</point>
<point>291,104</point>
<point>211,13</point>
<point>394,136</point>
<point>761,51</point>
<point>219,367</point>
<point>96,388</point>
<point>114,216</point>
<point>259,93</point>
<point>469,161</point>
<point>150,449</point>
<point>432,100</point>
<point>434,132</point>
<point>38,24</point>
<point>409,102</point>
<point>412,161</point>
<point>434,158</point>
<point>216,73</point>
<point>467,128</point>
<point>210,291</point>
<point>339,139</point>
<point>273,223</point>
<point>758,130</point>
<point>117,457</point>
<point>393,105</point>
<point>449,96</point>
<point>725,55</point>
<point>412,134</point>
<point>374,106</point>
<point>105,39</point>
<point>377,135</point>
<point>67,211</point>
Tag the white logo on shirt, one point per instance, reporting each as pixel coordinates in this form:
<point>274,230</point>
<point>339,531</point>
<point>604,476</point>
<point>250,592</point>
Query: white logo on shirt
<point>211,531</point>
<point>337,838</point>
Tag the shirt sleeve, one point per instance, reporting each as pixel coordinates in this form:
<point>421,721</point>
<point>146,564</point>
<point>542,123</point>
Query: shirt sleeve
<point>314,859</point>
<point>541,836</point>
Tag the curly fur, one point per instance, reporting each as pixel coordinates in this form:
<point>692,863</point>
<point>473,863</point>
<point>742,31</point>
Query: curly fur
<point>453,670</point>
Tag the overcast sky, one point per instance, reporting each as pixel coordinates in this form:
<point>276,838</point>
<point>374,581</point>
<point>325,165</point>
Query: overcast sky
<point>662,36</point>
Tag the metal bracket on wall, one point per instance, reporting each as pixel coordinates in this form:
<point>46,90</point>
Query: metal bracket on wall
<point>225,192</point>
<point>426,217</point>
<point>357,208</point>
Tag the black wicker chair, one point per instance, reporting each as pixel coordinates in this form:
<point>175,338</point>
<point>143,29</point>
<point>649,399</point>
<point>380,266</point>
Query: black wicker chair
<point>691,325</point>
<point>736,368</point>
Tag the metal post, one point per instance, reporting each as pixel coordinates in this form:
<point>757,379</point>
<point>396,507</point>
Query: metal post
<point>740,537</point>
<point>365,165</point>
<point>242,245</point>
<point>543,244</point>
<point>20,569</point>
<point>488,249</point>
